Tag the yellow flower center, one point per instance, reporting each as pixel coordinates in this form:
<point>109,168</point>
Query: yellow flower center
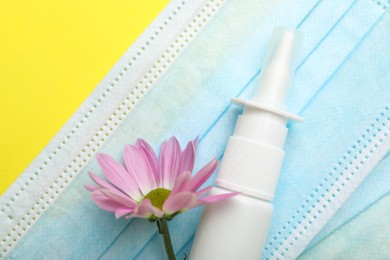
<point>158,196</point>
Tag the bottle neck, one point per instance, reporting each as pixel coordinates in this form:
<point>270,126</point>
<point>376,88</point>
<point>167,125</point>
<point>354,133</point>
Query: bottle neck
<point>262,126</point>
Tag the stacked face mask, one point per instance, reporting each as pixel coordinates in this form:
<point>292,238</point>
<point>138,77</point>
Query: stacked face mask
<point>365,236</point>
<point>178,79</point>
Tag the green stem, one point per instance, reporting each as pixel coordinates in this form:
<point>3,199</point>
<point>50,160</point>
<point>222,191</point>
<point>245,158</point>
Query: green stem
<point>162,225</point>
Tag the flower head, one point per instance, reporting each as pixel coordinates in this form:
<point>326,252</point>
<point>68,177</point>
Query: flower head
<point>151,187</point>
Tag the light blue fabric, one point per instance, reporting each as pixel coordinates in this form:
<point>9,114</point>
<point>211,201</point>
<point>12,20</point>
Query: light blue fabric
<point>341,88</point>
<point>359,201</point>
<point>336,115</point>
<point>364,237</point>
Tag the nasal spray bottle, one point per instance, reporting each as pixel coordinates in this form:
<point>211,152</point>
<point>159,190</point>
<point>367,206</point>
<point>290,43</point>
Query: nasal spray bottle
<point>237,227</point>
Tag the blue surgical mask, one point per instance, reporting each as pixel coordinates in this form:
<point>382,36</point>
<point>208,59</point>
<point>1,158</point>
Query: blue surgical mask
<point>365,236</point>
<point>178,79</point>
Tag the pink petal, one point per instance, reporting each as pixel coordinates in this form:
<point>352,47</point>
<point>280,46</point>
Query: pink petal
<point>91,187</point>
<point>145,210</point>
<point>118,175</point>
<point>100,182</point>
<point>181,183</point>
<point>152,158</point>
<point>119,197</point>
<point>216,198</point>
<point>203,191</point>
<point>104,202</point>
<point>203,175</point>
<point>113,190</point>
<point>179,201</point>
<point>187,158</point>
<point>196,141</point>
<point>137,164</point>
<point>170,153</point>
<point>120,212</point>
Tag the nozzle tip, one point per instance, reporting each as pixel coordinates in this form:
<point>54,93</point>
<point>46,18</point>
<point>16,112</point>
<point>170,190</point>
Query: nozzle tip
<point>279,65</point>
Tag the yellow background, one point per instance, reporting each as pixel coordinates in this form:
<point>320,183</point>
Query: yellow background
<point>52,55</point>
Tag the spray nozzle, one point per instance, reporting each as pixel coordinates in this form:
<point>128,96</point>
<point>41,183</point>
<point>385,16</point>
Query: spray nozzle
<point>279,65</point>
<point>278,68</point>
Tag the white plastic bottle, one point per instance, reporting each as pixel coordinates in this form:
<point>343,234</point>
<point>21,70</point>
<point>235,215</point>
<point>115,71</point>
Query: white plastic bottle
<point>237,228</point>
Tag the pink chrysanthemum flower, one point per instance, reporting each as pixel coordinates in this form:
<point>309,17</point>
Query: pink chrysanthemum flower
<point>151,187</point>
